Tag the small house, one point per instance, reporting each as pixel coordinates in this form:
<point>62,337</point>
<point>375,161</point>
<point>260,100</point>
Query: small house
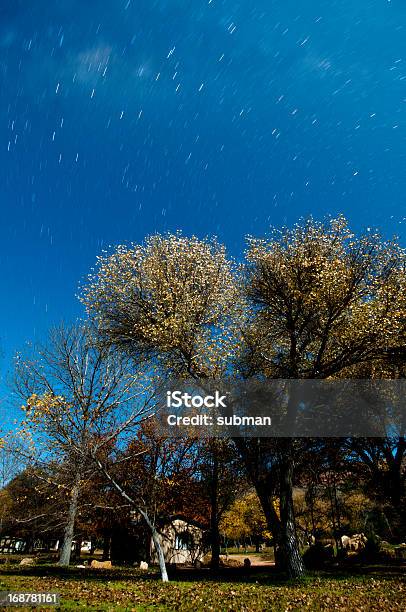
<point>183,541</point>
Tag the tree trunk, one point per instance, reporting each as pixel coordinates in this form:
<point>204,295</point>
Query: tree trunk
<point>78,548</point>
<point>106,546</point>
<point>265,479</point>
<point>291,559</point>
<point>29,547</point>
<point>157,543</point>
<point>335,519</point>
<point>66,548</point>
<point>395,489</point>
<point>214,515</point>
<point>311,506</point>
<point>282,527</point>
<point>155,535</point>
<point>272,519</point>
<point>215,545</point>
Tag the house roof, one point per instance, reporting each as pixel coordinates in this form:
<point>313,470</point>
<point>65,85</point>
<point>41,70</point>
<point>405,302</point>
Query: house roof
<point>182,517</point>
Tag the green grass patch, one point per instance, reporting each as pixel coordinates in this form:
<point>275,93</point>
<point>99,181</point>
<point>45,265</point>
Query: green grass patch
<point>373,589</point>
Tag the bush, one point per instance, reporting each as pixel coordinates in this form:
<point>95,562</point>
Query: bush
<point>372,549</point>
<point>317,555</point>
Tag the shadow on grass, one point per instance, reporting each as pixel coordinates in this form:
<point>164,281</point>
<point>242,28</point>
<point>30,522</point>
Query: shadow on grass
<point>258,575</point>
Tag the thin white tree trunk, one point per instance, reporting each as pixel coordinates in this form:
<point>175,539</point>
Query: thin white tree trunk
<point>158,547</point>
<point>155,535</point>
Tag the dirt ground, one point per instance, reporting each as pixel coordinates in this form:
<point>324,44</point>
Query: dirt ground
<point>257,560</point>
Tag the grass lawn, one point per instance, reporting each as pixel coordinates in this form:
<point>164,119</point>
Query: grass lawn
<point>371,589</point>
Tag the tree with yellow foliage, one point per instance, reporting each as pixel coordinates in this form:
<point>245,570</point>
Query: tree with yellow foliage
<point>245,519</point>
<point>314,302</point>
<point>323,302</point>
<point>171,299</point>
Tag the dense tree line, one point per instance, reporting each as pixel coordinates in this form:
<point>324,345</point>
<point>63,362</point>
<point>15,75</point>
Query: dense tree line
<point>312,302</point>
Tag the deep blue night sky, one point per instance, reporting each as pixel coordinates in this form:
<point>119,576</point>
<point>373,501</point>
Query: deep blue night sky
<point>120,118</point>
